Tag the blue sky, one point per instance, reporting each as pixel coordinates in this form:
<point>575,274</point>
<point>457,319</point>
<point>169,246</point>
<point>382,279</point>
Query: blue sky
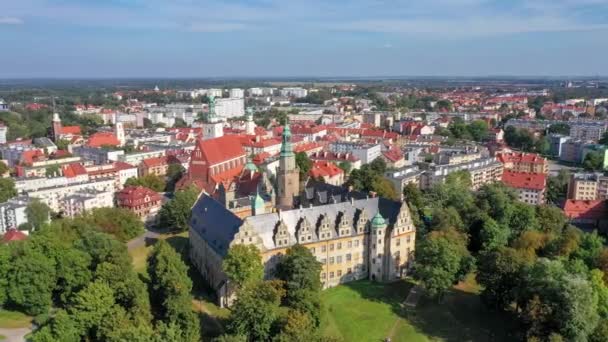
<point>232,38</point>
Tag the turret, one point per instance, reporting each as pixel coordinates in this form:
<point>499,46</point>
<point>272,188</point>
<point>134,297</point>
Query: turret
<point>377,237</point>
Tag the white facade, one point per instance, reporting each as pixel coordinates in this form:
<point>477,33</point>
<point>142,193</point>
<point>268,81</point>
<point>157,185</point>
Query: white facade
<point>136,158</point>
<point>587,131</point>
<point>237,93</point>
<point>364,152</point>
<point>12,153</point>
<point>229,108</point>
<point>53,196</point>
<point>294,91</point>
<point>119,132</point>
<point>98,155</point>
<point>83,201</point>
<point>12,213</point>
<point>3,132</point>
<point>214,92</point>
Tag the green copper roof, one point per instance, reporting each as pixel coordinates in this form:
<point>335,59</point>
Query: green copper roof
<point>258,201</point>
<point>378,221</point>
<point>211,108</point>
<point>251,166</point>
<point>286,148</point>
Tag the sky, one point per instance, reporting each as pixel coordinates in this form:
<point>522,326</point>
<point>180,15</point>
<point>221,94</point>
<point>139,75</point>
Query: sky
<point>308,38</point>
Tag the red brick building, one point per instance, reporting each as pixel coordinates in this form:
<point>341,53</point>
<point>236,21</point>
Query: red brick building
<point>140,200</point>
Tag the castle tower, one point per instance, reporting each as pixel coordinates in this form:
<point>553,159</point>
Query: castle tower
<point>376,251</point>
<point>213,127</point>
<point>250,125</point>
<point>288,174</point>
<point>56,128</point>
<point>119,132</point>
<point>257,204</point>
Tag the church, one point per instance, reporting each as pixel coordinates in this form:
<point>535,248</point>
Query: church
<point>353,237</point>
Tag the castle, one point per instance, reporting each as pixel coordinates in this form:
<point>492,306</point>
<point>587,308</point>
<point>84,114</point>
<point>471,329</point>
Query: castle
<point>353,237</point>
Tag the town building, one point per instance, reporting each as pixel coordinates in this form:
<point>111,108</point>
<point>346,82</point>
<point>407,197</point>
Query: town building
<point>3,106</point>
<point>363,151</point>
<point>143,202</point>
<point>530,187</point>
<point>587,187</point>
<point>523,162</point>
<point>53,195</point>
<point>404,176</point>
<point>3,133</point>
<point>89,199</point>
<point>328,171</point>
<point>12,213</point>
<point>14,235</point>
<point>587,131</point>
<point>60,132</point>
<point>482,171</point>
<point>337,158</point>
<point>97,155</point>
<point>230,107</point>
<point>213,127</point>
<point>296,92</point>
<point>237,93</point>
<point>587,214</point>
<point>556,141</point>
<point>118,171</point>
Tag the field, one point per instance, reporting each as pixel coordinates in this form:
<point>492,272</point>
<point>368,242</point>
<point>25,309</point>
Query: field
<point>364,311</point>
<point>14,319</point>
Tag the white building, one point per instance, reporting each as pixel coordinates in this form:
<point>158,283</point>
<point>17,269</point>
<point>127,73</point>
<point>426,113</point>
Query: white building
<point>237,93</point>
<point>12,213</point>
<point>54,195</point>
<point>587,131</point>
<point>97,155</point>
<point>3,133</point>
<point>364,152</point>
<point>229,108</point>
<point>86,200</point>
<point>137,157</point>
<point>294,92</point>
<point>261,91</point>
<point>214,92</point>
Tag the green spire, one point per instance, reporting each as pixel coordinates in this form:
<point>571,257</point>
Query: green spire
<point>249,113</point>
<point>378,221</point>
<point>286,148</point>
<point>211,117</point>
<point>250,165</point>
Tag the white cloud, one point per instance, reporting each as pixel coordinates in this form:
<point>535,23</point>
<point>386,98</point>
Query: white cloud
<point>10,21</point>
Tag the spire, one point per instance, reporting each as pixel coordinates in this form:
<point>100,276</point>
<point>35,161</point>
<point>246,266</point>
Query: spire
<point>286,148</point>
<point>249,114</point>
<point>211,117</point>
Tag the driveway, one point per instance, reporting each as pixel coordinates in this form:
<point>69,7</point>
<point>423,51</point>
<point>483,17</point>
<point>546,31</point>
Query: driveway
<point>143,240</point>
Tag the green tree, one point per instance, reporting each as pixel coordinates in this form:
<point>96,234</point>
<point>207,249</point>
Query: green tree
<point>32,280</point>
<point>303,163</point>
<point>62,327</point>
<point>346,167</point>
<point>478,129</point>
<point>594,161</point>
<point>175,214</point>
<point>170,289</point>
<point>119,222</point>
<point>243,264</point>
<point>384,188</point>
<point>150,181</point>
<point>256,310</point>
<point>5,269</point>
<point>91,306</point>
<point>3,169</point>
<point>500,272</point>
<point>557,186</point>
<point>174,173</point>
<point>37,213</point>
<point>493,235</point>
<point>560,128</point>
<point>439,258</point>
<point>522,219</point>
<point>296,327</point>
<point>7,189</point>
<point>550,219</point>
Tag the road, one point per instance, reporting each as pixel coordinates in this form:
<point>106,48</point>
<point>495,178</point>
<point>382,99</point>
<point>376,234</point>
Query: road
<point>555,166</point>
<point>14,335</point>
<point>143,239</point>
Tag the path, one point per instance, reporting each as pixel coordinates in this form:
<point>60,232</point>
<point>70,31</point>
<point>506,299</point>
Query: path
<point>414,296</point>
<point>140,241</point>
<point>14,335</point>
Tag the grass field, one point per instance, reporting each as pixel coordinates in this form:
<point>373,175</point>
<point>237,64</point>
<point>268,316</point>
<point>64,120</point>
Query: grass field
<point>140,254</point>
<point>14,319</point>
<point>364,311</point>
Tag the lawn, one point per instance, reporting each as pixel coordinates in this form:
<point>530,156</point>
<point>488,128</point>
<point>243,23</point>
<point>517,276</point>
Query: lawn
<point>14,319</point>
<point>140,254</point>
<point>365,311</point>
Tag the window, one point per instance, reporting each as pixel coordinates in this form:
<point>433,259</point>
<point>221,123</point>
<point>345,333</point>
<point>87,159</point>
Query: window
<point>323,275</point>
<point>331,274</point>
<point>323,248</point>
<point>339,245</point>
<point>331,247</point>
<point>356,243</point>
<point>350,244</point>
<point>379,241</point>
<point>348,257</point>
<point>339,273</point>
<point>323,260</point>
<point>312,250</point>
<point>349,270</point>
<point>339,259</point>
<point>331,260</point>
<point>398,243</point>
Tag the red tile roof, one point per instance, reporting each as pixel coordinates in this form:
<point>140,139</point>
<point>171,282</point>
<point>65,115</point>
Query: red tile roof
<point>100,139</point>
<point>152,162</point>
<point>324,169</point>
<point>520,180</point>
<point>591,210</point>
<point>28,157</point>
<point>73,130</point>
<point>123,166</point>
<point>13,235</point>
<point>519,157</point>
<point>394,155</point>
<point>74,169</point>
<point>133,196</point>
<point>220,149</point>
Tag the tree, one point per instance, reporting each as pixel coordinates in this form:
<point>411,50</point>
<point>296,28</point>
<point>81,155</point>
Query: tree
<point>346,167</point>
<point>522,219</point>
<point>91,305</point>
<point>170,291</point>
<point>550,219</point>
<point>5,269</point>
<point>557,186</point>
<point>3,169</point>
<point>62,327</point>
<point>303,163</point>
<point>119,222</point>
<point>439,258</point>
<point>604,139</point>
<point>175,214</point>
<point>32,280</point>
<point>256,310</point>
<point>560,128</point>
<point>493,235</point>
<point>174,173</point>
<point>243,265</point>
<point>478,130</point>
<point>7,189</point>
<point>150,181</point>
<point>384,188</point>
<point>594,161</point>
<point>500,272</point>
<point>296,327</point>
<point>37,213</point>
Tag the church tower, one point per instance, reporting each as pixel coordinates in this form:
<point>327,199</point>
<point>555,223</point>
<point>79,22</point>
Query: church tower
<point>119,132</point>
<point>250,125</point>
<point>213,127</point>
<point>288,174</point>
<point>56,128</point>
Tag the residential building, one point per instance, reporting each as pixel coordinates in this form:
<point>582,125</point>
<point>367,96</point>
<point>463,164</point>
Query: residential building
<point>337,158</point>
<point>587,187</point>
<point>482,171</point>
<point>14,235</point>
<point>3,106</point>
<point>587,214</point>
<point>88,199</point>
<point>230,107</point>
<point>456,156</point>
<point>237,93</point>
<point>140,200</point>
<point>588,130</point>
<point>363,151</point>
<point>118,171</point>
<point>53,195</point>
<point>523,162</point>
<point>136,158</point>
<point>531,187</point>
<point>156,166</point>
<point>12,213</point>
<point>404,176</point>
<point>3,133</point>
<point>328,171</point>
<point>293,92</point>
<point>556,141</point>
<point>393,158</point>
<point>572,151</point>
